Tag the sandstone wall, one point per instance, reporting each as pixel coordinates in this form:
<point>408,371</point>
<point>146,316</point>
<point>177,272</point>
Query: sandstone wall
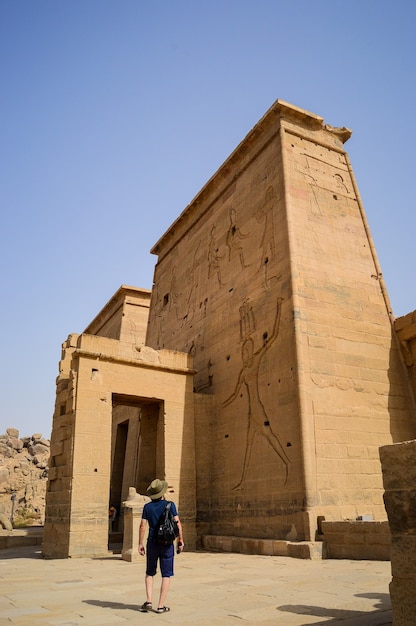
<point>269,278</point>
<point>24,464</point>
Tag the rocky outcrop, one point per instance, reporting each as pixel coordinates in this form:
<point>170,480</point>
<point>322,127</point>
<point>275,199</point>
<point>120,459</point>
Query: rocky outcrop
<point>24,465</point>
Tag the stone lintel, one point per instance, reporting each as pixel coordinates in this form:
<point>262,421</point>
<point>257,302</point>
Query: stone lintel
<point>112,350</point>
<point>99,356</point>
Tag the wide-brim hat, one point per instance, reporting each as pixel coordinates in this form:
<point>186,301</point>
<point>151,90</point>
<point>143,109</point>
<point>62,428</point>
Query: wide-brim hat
<point>156,489</point>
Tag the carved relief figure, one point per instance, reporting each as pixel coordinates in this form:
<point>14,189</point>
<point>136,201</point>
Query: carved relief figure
<point>305,167</point>
<point>159,314</point>
<point>234,239</point>
<point>214,267</point>
<point>192,280</point>
<point>247,320</point>
<point>174,294</point>
<point>257,418</point>
<point>339,183</point>
<point>267,243</point>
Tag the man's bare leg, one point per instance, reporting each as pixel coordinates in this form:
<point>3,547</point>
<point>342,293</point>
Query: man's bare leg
<point>164,588</point>
<point>148,581</point>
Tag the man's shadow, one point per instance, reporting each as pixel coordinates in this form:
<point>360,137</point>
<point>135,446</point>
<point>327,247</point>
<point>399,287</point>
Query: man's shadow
<point>106,604</point>
<point>382,605</point>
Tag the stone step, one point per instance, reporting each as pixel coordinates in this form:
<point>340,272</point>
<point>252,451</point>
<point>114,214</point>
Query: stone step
<point>266,547</point>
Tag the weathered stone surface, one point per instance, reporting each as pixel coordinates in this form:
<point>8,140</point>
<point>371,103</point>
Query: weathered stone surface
<point>401,510</point>
<point>402,549</point>
<point>400,499</point>
<point>399,465</point>
<point>403,601</point>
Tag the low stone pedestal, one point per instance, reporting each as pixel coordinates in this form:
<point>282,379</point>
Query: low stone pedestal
<point>133,508</point>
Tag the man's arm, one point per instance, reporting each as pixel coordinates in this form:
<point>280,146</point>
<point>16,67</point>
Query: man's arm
<point>142,530</point>
<point>181,544</point>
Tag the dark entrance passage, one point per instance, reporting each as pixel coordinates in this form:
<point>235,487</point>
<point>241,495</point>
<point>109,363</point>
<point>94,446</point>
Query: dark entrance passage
<point>137,451</point>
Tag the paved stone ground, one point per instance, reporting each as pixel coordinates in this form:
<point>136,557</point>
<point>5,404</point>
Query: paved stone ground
<point>209,589</point>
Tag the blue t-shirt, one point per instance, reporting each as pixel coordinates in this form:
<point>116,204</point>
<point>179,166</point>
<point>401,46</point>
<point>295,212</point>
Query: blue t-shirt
<point>152,512</point>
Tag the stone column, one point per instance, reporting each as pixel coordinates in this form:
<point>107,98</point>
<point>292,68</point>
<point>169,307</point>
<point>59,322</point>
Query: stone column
<point>399,477</point>
<point>133,508</point>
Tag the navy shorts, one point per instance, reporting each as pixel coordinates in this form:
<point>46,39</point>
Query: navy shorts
<point>163,554</point>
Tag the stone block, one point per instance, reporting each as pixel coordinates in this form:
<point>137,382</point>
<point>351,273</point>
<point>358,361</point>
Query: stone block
<point>279,547</point>
<point>225,544</point>
<point>403,551</point>
<point>209,542</point>
<point>403,601</point>
<point>57,448</point>
<point>398,464</point>
<point>401,510</point>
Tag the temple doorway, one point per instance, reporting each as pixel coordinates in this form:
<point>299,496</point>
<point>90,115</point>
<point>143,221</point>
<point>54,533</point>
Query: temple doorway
<point>137,452</point>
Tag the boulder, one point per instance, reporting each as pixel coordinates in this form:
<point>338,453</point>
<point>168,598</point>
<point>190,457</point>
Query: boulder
<point>38,449</point>
<point>23,477</point>
<point>4,475</point>
<point>5,522</point>
<point>15,443</point>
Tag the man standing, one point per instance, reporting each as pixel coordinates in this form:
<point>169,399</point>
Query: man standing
<point>155,552</point>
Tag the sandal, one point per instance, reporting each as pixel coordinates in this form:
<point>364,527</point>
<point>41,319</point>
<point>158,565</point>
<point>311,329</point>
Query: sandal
<point>163,609</point>
<point>146,607</point>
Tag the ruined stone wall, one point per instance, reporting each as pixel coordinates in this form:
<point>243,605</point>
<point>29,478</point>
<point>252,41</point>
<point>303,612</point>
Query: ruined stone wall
<point>356,539</point>
<point>58,495</point>
<point>270,280</point>
<point>399,478</point>
<point>405,328</point>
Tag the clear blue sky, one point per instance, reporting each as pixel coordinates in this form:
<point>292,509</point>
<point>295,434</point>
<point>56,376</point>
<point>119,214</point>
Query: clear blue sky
<point>113,115</point>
